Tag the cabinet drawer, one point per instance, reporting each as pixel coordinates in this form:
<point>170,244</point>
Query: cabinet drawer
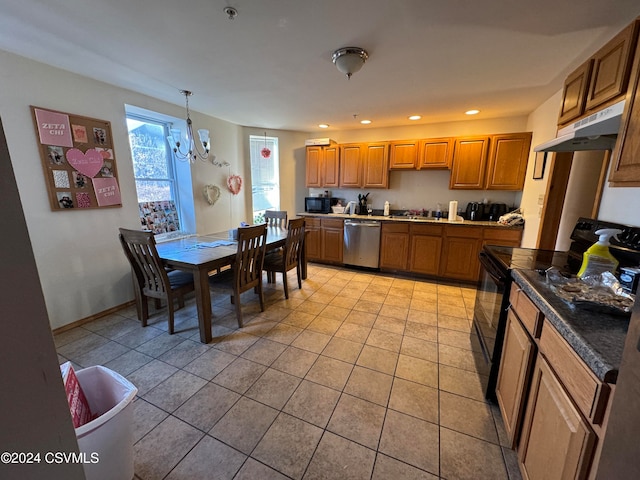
<point>426,229</point>
<point>527,312</point>
<point>395,227</point>
<point>332,223</point>
<point>463,232</point>
<point>589,394</point>
<point>311,222</point>
<point>501,234</point>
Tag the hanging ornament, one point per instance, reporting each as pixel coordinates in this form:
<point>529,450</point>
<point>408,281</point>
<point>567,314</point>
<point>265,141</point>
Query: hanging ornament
<point>234,184</point>
<point>265,152</point>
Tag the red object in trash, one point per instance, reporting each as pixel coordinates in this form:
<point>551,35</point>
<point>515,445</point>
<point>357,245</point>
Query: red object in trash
<point>78,404</point>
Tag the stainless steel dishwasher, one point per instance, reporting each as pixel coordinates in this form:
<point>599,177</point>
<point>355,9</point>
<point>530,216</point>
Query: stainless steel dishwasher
<point>361,243</point>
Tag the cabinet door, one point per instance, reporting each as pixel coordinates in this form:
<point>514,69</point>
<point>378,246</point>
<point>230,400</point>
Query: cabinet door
<point>461,248</point>
<point>376,166</point>
<point>611,67</point>
<point>574,95</point>
<point>502,236</point>
<point>314,167</point>
<point>508,161</point>
<point>513,377</point>
<point>394,246</point>
<point>403,155</point>
<point>332,241</point>
<point>425,254</point>
<point>312,242</point>
<point>469,163</point>
<point>435,153</point>
<point>556,443</point>
<point>331,166</point>
<point>351,166</point>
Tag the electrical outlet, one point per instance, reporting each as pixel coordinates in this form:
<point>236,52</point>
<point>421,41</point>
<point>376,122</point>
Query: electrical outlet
<point>541,199</point>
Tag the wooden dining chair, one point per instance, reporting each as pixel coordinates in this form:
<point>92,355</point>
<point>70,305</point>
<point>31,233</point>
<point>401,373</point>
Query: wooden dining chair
<point>276,218</point>
<point>246,270</point>
<point>152,279</point>
<point>288,257</point>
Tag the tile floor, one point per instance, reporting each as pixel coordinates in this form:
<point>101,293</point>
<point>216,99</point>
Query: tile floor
<point>357,376</point>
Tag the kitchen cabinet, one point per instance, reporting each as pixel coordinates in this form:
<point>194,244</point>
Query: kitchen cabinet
<point>332,239</point>
<point>425,248</point>
<point>469,163</point>
<point>312,239</point>
<point>394,245</point>
<point>508,158</point>
<point>460,253</point>
<point>574,94</point>
<point>351,165</point>
<point>323,166</point>
<point>375,165</point>
<point>435,153</point>
<point>502,236</point>
<point>403,155</point>
<point>557,443</point>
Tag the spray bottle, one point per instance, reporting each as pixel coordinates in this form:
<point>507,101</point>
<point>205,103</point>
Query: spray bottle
<point>597,259</point>
<point>386,209</point>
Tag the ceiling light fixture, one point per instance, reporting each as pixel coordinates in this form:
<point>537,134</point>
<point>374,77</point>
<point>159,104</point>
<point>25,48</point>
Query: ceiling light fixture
<point>365,122</point>
<point>472,112</point>
<point>349,59</point>
<point>192,151</point>
<point>415,117</point>
<point>324,125</point>
<point>231,12</point>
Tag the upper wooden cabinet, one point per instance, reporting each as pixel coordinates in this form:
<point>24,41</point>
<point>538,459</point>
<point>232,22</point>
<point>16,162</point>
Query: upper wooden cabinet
<point>469,163</point>
<point>351,165</point>
<point>403,155</point>
<point>508,158</point>
<point>435,153</point>
<point>375,165</point>
<point>323,166</point>
<point>574,95</point>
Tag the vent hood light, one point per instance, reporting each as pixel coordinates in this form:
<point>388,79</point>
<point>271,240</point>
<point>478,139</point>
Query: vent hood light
<point>598,131</point>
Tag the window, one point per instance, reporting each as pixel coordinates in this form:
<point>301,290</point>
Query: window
<point>265,175</point>
<point>154,175</point>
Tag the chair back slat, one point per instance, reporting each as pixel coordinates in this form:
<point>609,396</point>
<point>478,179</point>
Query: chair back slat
<point>295,239</point>
<point>276,218</point>
<point>252,243</point>
<point>140,249</point>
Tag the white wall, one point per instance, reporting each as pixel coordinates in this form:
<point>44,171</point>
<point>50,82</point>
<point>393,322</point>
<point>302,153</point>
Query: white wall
<point>81,266</point>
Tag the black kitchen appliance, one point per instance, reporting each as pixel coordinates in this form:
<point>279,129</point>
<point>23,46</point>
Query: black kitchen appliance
<point>496,210</point>
<point>475,211</point>
<point>492,297</point>
<point>319,204</point>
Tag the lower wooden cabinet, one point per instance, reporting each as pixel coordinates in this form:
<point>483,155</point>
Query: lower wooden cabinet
<point>556,443</point>
<point>425,249</point>
<point>312,238</point>
<point>324,239</point>
<point>394,246</point>
<point>461,248</point>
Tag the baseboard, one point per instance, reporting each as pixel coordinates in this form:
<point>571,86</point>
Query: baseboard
<point>93,317</point>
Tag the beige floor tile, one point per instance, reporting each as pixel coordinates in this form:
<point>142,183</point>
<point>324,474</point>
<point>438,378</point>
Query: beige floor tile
<point>344,302</point>
<point>398,298</point>
<point>387,468</point>
<point>175,390</point>
<point>70,336</point>
<point>423,317</point>
<point>311,341</point>
<point>210,363</point>
<point>459,339</point>
<point>146,417</point>
<point>322,298</point>
<point>330,372</point>
<point>100,355</point>
<point>454,323</point>
<point>314,308</point>
<point>258,326</point>
<point>208,456</point>
<point>423,305</point>
<point>389,324</point>
<point>288,445</point>
<point>385,340</point>
<point>467,458</point>
<point>150,375</point>
<point>299,319</point>
<point>451,300</point>
<point>207,406</point>
<point>452,311</point>
<point>273,388</point>
<point>184,353</point>
<point>369,385</point>
<point>264,351</point>
<point>360,317</point>
<point>342,459</point>
<point>283,333</point>
<point>428,295</point>
<point>334,313</point>
<point>163,448</point>
<point>254,470</point>
<point>275,314</point>
<point>327,326</point>
<point>419,348</point>
<point>454,290</point>
<point>394,312</point>
<point>412,441</point>
<point>422,331</point>
<point>461,382</point>
<point>295,361</point>
<point>154,347</point>
<point>382,280</point>
<point>244,424</point>
<point>342,349</point>
<point>417,370</point>
<point>467,416</point>
<point>415,400</point>
<point>373,297</point>
<point>128,362</point>
<point>312,403</point>
<point>378,359</point>
<point>239,375</point>
<point>463,359</point>
<point>353,332</point>
<point>378,289</point>
<point>357,420</point>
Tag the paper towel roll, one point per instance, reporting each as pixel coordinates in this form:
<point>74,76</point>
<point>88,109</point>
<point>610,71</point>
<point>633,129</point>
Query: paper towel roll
<point>453,210</point>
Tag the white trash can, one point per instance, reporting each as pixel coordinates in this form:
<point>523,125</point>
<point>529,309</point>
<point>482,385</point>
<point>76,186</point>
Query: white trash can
<point>110,434</point>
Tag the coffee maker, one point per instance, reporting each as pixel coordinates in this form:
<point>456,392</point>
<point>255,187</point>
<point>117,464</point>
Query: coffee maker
<point>475,211</point>
<point>496,210</point>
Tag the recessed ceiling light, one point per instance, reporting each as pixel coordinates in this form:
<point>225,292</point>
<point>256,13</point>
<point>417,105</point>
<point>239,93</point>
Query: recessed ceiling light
<point>415,117</point>
<point>472,112</point>
<point>365,122</point>
<point>323,125</point>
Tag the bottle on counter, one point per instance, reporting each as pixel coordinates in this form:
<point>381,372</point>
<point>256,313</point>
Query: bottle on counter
<point>386,209</point>
<point>598,259</point>
<point>438,211</point>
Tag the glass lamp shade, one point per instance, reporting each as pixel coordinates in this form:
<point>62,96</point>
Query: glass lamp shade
<point>349,60</point>
<point>204,136</point>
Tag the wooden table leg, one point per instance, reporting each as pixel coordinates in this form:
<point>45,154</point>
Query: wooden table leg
<point>203,303</point>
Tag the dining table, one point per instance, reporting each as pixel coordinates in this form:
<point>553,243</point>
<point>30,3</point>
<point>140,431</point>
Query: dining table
<point>201,254</point>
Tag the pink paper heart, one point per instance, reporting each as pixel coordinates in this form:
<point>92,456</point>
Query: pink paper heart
<point>88,163</point>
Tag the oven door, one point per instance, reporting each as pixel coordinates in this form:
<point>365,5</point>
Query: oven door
<point>489,319</point>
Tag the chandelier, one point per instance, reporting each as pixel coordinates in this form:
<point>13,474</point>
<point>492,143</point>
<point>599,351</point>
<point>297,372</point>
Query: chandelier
<point>191,150</point>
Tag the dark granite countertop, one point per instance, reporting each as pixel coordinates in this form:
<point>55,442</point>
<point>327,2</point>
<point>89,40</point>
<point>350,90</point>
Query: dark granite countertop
<point>597,338</point>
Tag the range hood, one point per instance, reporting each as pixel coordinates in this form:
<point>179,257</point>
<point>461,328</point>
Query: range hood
<point>598,131</point>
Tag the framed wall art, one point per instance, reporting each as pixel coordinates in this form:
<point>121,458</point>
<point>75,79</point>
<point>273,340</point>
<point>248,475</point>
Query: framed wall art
<point>77,159</point>
<point>540,164</point>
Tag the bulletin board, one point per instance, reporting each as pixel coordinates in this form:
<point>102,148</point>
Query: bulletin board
<point>78,160</point>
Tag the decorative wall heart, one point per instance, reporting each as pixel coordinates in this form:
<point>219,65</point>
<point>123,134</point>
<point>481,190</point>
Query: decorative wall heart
<point>234,183</point>
<point>88,163</point>
<point>211,194</point>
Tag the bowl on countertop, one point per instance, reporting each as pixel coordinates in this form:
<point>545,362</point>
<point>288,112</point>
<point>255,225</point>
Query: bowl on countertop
<point>337,209</point>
